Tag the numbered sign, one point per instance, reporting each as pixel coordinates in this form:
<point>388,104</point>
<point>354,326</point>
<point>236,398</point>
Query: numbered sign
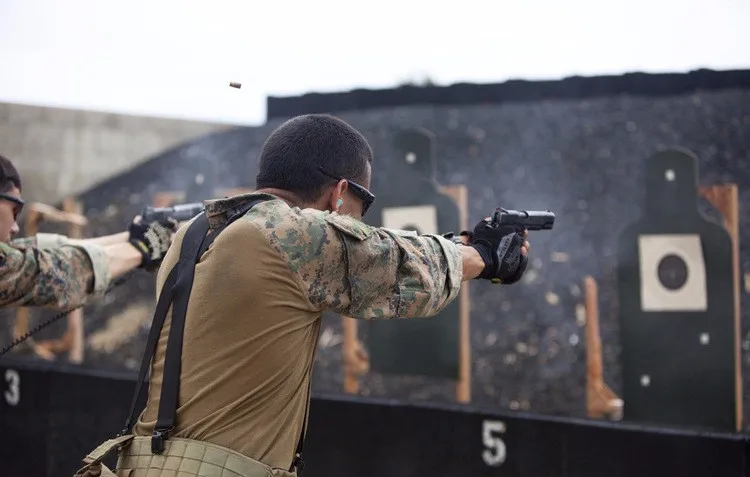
<point>677,318</point>
<point>12,389</point>
<point>494,451</point>
<point>25,417</point>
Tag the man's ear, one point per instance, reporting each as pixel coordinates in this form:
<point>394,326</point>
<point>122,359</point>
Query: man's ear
<point>343,185</point>
<point>337,194</point>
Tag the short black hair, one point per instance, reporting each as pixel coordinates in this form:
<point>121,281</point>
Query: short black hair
<point>9,176</point>
<point>294,153</point>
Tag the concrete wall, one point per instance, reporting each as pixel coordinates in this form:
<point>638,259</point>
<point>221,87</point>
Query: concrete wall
<point>61,152</point>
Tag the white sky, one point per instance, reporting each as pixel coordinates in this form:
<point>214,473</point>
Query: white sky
<point>175,58</point>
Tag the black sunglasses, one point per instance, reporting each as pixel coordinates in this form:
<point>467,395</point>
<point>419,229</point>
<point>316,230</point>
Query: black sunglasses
<point>360,192</point>
<point>16,201</point>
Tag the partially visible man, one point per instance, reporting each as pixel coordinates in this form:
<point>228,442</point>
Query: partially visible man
<point>56,272</point>
<point>229,383</point>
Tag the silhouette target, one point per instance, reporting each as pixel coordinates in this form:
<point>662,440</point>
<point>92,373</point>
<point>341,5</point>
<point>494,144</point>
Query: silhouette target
<point>408,199</point>
<point>675,285</point>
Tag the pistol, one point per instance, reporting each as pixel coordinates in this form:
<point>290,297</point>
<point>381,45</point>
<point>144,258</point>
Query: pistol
<point>180,213</point>
<point>524,219</point>
<point>520,219</point>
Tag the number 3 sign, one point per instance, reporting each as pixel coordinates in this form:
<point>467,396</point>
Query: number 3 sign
<point>12,393</point>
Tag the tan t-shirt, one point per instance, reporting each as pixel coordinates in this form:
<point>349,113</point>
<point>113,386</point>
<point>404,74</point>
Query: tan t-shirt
<point>254,313</point>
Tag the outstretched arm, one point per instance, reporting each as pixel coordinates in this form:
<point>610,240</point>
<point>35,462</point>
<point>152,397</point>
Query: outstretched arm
<point>64,276</point>
<point>365,272</point>
<point>60,278</point>
<point>113,239</point>
<point>46,240</point>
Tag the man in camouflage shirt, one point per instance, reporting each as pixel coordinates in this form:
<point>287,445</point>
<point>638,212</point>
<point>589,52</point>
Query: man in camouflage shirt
<point>54,271</point>
<point>254,314</point>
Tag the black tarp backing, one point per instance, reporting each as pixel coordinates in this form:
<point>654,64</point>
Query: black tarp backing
<point>61,414</point>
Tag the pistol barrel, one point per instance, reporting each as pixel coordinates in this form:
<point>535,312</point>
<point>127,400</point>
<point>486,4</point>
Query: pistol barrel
<point>180,213</point>
<point>527,219</point>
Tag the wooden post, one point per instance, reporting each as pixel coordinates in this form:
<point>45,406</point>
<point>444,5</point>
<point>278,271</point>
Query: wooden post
<point>47,349</point>
<point>73,338</point>
<point>351,380</point>
<point>459,194</point>
<point>21,325</point>
<point>600,399</point>
<point>72,341</point>
<point>724,197</point>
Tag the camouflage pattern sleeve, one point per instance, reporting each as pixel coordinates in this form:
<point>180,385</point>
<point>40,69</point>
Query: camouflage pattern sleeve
<point>361,271</point>
<point>41,240</point>
<point>60,278</point>
<point>24,242</point>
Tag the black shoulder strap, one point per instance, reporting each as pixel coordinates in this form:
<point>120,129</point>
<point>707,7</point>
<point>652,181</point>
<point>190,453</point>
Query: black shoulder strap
<point>162,307</point>
<point>193,245</point>
<point>194,238</point>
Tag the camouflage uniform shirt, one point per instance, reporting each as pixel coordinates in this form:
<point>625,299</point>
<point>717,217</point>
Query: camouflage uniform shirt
<point>254,316</point>
<point>47,271</point>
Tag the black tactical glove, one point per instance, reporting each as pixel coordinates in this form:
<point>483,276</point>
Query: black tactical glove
<point>152,240</point>
<point>500,248</point>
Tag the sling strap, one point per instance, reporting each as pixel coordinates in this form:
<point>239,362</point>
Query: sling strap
<point>176,293</point>
<point>194,244</point>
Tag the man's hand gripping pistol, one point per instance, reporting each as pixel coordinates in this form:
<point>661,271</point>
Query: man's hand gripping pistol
<point>499,239</point>
<point>151,233</point>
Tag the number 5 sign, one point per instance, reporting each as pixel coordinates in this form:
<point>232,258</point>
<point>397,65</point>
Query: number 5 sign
<point>494,447</point>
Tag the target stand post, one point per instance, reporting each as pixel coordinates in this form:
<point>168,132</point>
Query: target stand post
<point>601,401</point>
<point>724,198</point>
<point>72,341</point>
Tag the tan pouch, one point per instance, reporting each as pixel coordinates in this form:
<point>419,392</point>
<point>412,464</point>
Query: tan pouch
<point>93,466</point>
<point>189,458</point>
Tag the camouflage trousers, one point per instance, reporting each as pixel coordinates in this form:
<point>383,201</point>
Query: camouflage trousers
<point>181,458</point>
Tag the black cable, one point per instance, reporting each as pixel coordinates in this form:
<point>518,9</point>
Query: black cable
<point>17,341</point>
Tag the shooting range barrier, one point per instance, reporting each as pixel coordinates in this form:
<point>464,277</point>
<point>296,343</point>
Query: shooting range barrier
<point>68,412</point>
<point>52,415</point>
<point>680,357</point>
